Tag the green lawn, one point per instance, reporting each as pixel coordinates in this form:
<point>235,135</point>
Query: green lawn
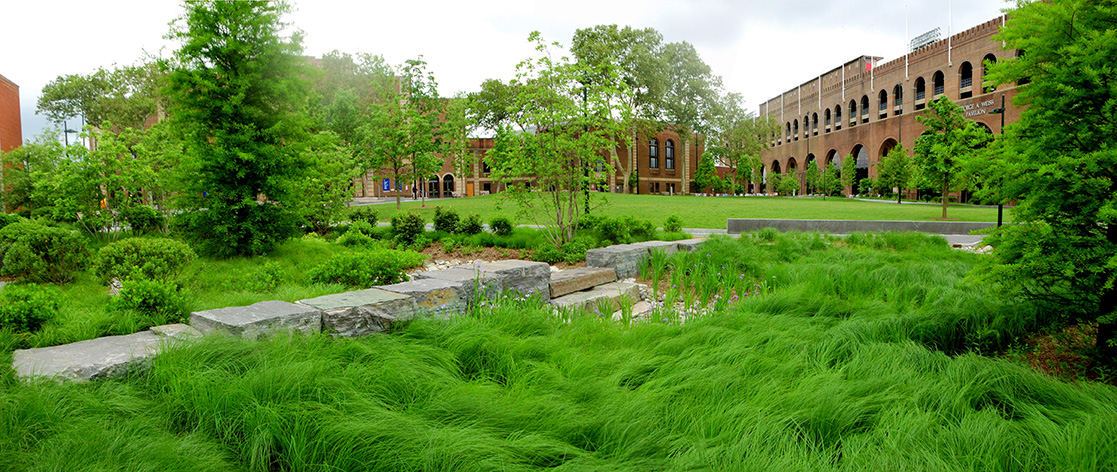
<point>711,212</point>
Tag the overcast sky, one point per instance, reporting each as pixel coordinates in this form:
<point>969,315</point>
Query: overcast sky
<point>759,48</point>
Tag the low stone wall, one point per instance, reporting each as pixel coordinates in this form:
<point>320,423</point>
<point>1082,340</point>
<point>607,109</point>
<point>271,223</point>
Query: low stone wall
<point>745,225</point>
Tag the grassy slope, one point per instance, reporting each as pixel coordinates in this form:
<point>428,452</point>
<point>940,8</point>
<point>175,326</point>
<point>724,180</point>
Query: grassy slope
<point>831,370</point>
<point>700,212</point>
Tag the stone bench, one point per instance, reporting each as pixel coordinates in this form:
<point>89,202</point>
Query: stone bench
<point>471,281</point>
<point>625,259</point>
<point>106,357</point>
<point>361,312</point>
<point>610,293</point>
<point>527,277</point>
<point>436,296</point>
<point>259,319</point>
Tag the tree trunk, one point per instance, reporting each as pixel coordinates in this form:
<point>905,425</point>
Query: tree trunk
<point>945,188</point>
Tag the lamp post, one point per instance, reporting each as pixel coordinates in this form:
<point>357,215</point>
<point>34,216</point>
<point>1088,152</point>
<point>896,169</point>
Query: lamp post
<point>1000,111</point>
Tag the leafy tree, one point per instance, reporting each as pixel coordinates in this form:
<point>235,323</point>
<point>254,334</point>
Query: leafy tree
<point>1060,163</point>
<point>949,141</point>
<point>848,174</point>
<point>740,138</point>
<point>22,168</point>
<point>829,182</point>
<point>322,194</point>
<point>126,96</point>
<point>637,56</point>
<point>552,137</point>
<point>811,176</point>
<point>237,90</point>
<point>692,97</point>
<point>788,184</point>
<point>895,171</point>
<point>705,174</point>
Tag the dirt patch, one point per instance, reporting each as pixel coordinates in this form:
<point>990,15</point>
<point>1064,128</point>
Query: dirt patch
<point>1062,355</point>
<point>435,252</point>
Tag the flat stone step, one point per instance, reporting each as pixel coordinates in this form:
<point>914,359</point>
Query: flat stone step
<point>590,299</point>
<point>435,296</point>
<point>565,282</point>
<point>362,312</point>
<point>471,280</point>
<point>110,356</point>
<point>626,258</point>
<point>258,319</point>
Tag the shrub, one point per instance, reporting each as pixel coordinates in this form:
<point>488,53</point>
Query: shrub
<point>613,229</point>
<point>144,219</point>
<point>24,308</point>
<point>639,230</point>
<point>9,218</point>
<point>445,219</point>
<point>142,258</point>
<point>470,224</point>
<point>674,224</point>
<point>589,221</point>
<point>408,227</point>
<point>159,300</point>
<point>500,226</point>
<point>364,213</point>
<point>575,251</point>
<point>548,253</point>
<point>358,239</point>
<point>366,269</point>
<point>40,253</point>
<point>360,226</point>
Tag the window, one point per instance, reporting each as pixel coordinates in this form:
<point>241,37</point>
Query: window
<point>920,93</point>
<point>853,112</point>
<point>814,124</point>
<point>485,168</point>
<point>898,100</point>
<point>987,61</point>
<point>883,104</point>
<point>795,130</point>
<point>864,109</point>
<point>669,155</point>
<point>826,115</point>
<point>653,154</point>
<point>938,86</point>
<point>965,84</point>
<point>837,117</point>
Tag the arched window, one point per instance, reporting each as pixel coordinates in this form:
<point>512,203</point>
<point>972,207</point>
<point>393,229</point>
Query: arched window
<point>864,109</point>
<point>1023,80</point>
<point>827,116</point>
<point>653,154</point>
<point>986,62</point>
<point>806,126</point>
<point>965,83</point>
<point>787,132</point>
<point>883,104</point>
<point>837,117</point>
<point>814,123</point>
<point>795,129</point>
<point>853,113</point>
<point>669,155</point>
<point>447,185</point>
<point>939,85</point>
<point>920,93</point>
<point>898,100</point>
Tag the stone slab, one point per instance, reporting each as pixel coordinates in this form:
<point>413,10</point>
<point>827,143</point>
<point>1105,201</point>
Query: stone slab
<point>668,247</point>
<point>258,319</point>
<point>575,280</point>
<point>176,331</point>
<point>362,312</point>
<point>527,277</point>
<point>589,299</point>
<point>490,285</point>
<point>107,357</point>
<point>689,245</point>
<point>625,259</point>
<point>744,225</point>
<point>435,296</point>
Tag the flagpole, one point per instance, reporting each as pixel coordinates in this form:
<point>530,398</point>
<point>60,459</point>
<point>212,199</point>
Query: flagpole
<point>907,39</point>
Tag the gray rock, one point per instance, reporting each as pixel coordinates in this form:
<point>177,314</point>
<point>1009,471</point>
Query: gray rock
<point>689,245</point>
<point>106,357</point>
<point>668,247</point>
<point>362,312</point>
<point>625,259</point>
<point>590,299</point>
<point>439,297</point>
<point>574,280</point>
<point>176,331</point>
<point>527,277</point>
<point>259,319</point>
<point>490,285</point>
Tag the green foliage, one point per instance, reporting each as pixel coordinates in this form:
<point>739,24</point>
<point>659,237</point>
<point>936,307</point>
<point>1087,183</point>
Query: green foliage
<point>236,90</point>
<point>408,227</point>
<point>24,308</point>
<point>322,194</point>
<point>144,219</point>
<point>829,182</point>
<point>38,253</point>
<point>360,226</point>
<point>547,252</point>
<point>500,225</point>
<point>157,259</point>
<point>159,300</point>
<point>470,224</point>
<point>944,148</point>
<point>896,170</point>
<point>445,219</point>
<point>365,269</point>
<point>358,239</point>
<point>788,184</point>
<point>673,224</point>
<point>1059,163</point>
<point>705,174</point>
<point>364,213</point>
<point>9,218</point>
<point>848,171</point>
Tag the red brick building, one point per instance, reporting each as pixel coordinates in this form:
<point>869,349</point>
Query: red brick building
<point>11,131</point>
<point>864,108</point>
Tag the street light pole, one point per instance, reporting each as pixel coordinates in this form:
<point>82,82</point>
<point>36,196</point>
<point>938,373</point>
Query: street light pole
<point>1001,111</point>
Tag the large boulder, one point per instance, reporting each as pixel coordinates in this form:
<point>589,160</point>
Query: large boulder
<point>362,312</point>
<point>259,319</point>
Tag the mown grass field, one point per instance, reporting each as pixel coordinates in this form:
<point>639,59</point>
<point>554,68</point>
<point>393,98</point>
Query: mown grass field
<point>711,212</point>
<point>860,354</point>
